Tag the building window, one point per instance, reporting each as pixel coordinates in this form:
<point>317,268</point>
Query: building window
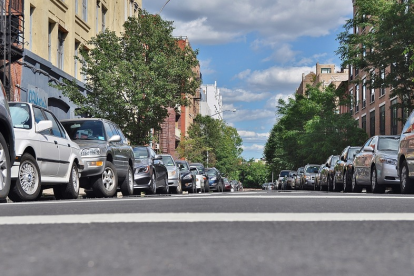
<point>372,123</point>
<point>49,42</point>
<point>31,28</point>
<point>60,49</point>
<point>85,10</point>
<point>76,7</point>
<point>351,108</point>
<point>326,70</point>
<point>356,98</point>
<point>382,89</point>
<point>372,96</point>
<point>103,18</point>
<point>394,119</point>
<point>364,93</point>
<point>364,123</point>
<point>382,120</point>
<point>76,61</point>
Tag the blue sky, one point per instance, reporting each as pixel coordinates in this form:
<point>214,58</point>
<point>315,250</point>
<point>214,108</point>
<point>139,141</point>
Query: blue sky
<point>257,50</point>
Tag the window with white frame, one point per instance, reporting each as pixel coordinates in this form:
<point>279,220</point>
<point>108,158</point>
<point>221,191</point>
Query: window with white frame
<point>60,49</point>
<point>372,96</point>
<point>351,108</point>
<point>382,75</point>
<point>85,10</point>
<point>356,98</point>
<point>364,93</point>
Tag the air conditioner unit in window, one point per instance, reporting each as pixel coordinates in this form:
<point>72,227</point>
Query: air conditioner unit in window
<point>157,146</point>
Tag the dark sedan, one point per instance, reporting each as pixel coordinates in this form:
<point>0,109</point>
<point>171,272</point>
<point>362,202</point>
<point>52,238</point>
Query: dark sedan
<point>188,177</point>
<point>215,180</point>
<point>149,172</point>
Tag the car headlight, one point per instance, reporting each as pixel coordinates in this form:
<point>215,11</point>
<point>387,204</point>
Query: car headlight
<point>172,173</point>
<point>188,176</point>
<point>144,169</point>
<point>307,177</point>
<point>388,161</point>
<point>90,152</point>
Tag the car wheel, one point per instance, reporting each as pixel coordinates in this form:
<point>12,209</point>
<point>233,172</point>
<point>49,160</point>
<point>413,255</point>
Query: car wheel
<point>5,168</point>
<point>166,188</point>
<point>355,187</point>
<point>127,186</point>
<point>27,185</point>
<point>375,187</point>
<point>406,183</point>
<point>335,187</point>
<point>347,183</point>
<point>178,189</point>
<point>153,186</point>
<point>105,185</point>
<point>71,189</point>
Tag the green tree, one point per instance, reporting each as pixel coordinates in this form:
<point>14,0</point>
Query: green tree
<point>133,78</point>
<point>309,130</point>
<point>379,41</point>
<point>214,139</point>
<point>253,174</point>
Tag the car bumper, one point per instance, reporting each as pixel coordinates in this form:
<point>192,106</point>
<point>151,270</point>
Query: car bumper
<point>387,174</point>
<point>92,166</point>
<point>173,182</point>
<point>142,180</point>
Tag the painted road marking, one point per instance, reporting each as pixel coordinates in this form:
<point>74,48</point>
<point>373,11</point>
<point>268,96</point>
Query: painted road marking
<point>204,217</point>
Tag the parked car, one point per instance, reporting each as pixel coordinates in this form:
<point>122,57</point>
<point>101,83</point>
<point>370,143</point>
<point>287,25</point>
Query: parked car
<point>374,166</point>
<point>215,180</point>
<point>308,178</point>
<point>300,172</point>
<point>45,155</point>
<point>236,185</point>
<point>268,186</point>
<point>149,170</point>
<point>227,184</point>
<point>327,173</point>
<point>201,181</point>
<point>318,178</point>
<point>109,160</point>
<point>405,160</point>
<point>202,172</point>
<point>280,178</point>
<point>344,169</point>
<point>7,151</point>
<point>188,176</point>
<point>174,177</point>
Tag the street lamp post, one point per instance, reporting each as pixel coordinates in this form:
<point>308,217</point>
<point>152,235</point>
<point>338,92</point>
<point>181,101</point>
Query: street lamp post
<point>164,6</point>
<point>232,110</point>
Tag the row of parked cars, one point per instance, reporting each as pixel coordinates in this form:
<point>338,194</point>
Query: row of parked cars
<point>383,161</point>
<point>38,152</point>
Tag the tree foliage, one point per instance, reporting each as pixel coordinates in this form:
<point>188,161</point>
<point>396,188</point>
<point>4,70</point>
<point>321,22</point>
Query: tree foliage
<point>379,40</point>
<point>212,138</point>
<point>309,129</point>
<point>253,174</point>
<point>133,78</point>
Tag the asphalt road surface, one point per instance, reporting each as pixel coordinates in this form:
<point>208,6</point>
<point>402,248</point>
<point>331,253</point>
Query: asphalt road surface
<point>243,233</point>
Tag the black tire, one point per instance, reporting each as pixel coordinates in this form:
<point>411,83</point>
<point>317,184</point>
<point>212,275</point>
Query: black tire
<point>207,188</point>
<point>5,169</point>
<point>355,187</point>
<point>106,185</point>
<point>29,173</point>
<point>178,189</point>
<point>335,187</point>
<point>166,188</point>
<point>127,185</point>
<point>406,183</point>
<point>71,189</point>
<point>347,183</point>
<point>375,187</point>
<point>153,186</point>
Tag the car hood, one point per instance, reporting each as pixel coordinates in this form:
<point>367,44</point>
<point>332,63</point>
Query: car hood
<point>388,154</point>
<point>141,162</point>
<point>90,143</point>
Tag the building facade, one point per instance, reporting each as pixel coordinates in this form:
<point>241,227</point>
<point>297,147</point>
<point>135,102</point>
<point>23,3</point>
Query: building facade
<point>214,101</point>
<point>54,31</point>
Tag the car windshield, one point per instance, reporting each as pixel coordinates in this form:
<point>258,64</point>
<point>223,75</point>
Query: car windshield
<point>140,153</point>
<point>301,170</point>
<point>199,167</point>
<point>182,166</point>
<point>312,169</point>
<point>211,173</point>
<point>334,159</point>
<point>167,160</point>
<point>21,117</point>
<point>284,173</point>
<point>388,143</point>
<point>85,130</point>
<point>352,152</point>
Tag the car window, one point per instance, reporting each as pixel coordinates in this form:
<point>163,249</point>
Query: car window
<point>367,143</point>
<point>334,160</point>
<point>284,173</point>
<point>182,166</point>
<point>39,116</point>
<point>118,131</point>
<point>140,153</point>
<point>84,130</point>
<point>211,173</point>
<point>388,143</point>
<point>167,160</point>
<point>55,125</point>
<point>152,152</point>
<point>21,117</point>
<point>352,152</point>
<point>109,130</point>
<point>312,169</point>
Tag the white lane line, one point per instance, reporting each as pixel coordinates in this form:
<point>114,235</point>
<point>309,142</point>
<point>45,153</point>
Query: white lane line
<point>204,217</point>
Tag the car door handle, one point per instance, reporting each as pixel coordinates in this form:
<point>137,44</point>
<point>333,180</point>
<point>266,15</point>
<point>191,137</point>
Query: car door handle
<point>68,145</point>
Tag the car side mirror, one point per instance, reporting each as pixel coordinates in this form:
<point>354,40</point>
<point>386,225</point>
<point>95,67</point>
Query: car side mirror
<point>368,149</point>
<point>327,165</point>
<point>342,158</point>
<point>193,169</point>
<point>43,125</point>
<point>157,157</point>
<point>115,138</point>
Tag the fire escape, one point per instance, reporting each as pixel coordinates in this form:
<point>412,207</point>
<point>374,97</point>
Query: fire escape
<point>11,39</point>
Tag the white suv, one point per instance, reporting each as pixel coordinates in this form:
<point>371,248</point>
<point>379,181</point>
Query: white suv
<point>45,155</point>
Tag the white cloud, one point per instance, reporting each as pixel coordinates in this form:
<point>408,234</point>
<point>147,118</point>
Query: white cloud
<point>273,102</point>
<point>283,54</point>
<point>240,95</point>
<point>221,21</point>
<point>243,74</point>
<point>254,147</point>
<point>205,67</point>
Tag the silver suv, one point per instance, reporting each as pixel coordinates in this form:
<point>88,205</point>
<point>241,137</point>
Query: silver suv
<point>108,158</point>
<point>7,151</point>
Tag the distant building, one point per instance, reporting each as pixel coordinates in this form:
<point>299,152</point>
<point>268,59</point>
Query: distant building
<point>325,75</point>
<point>214,101</point>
